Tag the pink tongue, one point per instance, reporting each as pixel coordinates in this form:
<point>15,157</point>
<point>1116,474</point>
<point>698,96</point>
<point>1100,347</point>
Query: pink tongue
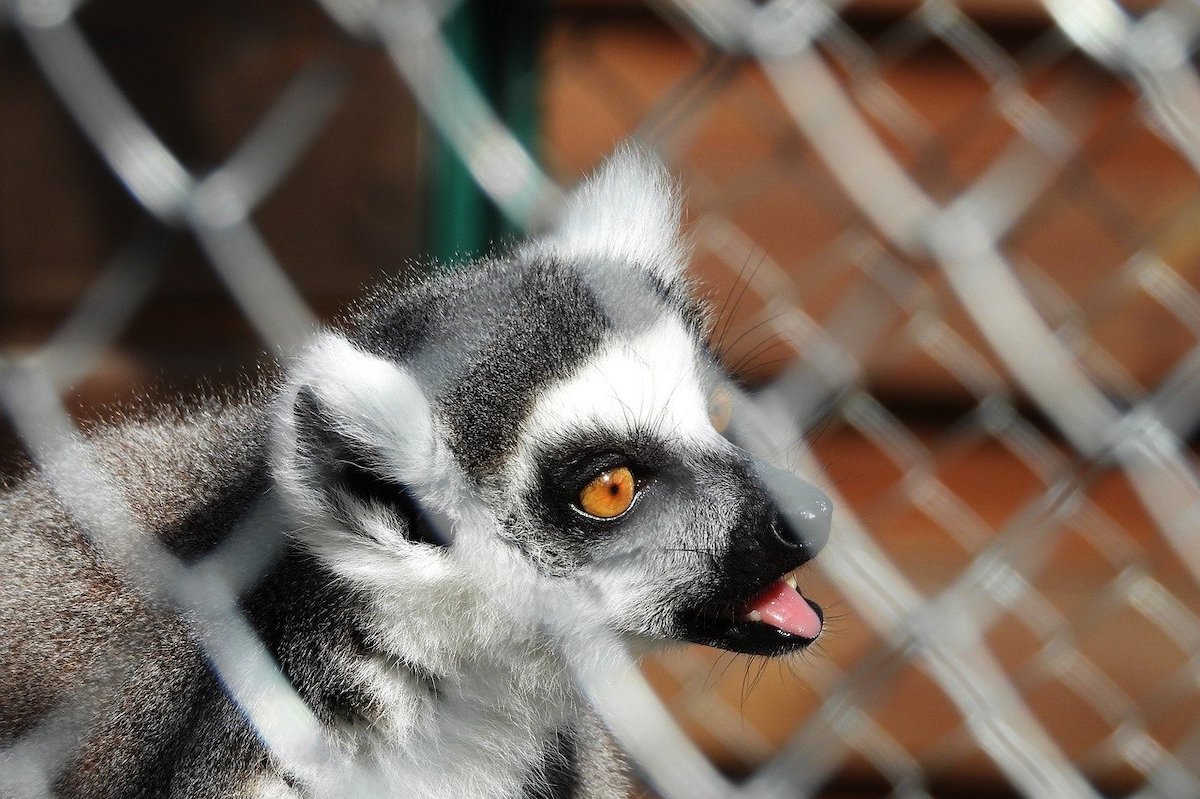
<point>780,605</point>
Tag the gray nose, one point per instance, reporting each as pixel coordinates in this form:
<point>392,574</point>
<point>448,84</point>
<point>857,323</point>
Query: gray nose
<point>804,512</point>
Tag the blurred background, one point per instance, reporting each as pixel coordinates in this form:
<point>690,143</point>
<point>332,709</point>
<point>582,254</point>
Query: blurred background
<point>959,242</point>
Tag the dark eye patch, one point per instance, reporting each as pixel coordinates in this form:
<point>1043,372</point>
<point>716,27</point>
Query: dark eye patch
<point>568,465</point>
<point>567,538</point>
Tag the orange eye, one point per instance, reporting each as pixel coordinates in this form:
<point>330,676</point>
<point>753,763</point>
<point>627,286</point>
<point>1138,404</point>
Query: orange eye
<point>608,494</point>
<point>720,408</point>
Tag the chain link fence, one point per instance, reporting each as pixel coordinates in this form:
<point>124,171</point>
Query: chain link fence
<point>961,241</point>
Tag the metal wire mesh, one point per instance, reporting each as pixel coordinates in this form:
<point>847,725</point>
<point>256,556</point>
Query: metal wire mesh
<point>1020,573</point>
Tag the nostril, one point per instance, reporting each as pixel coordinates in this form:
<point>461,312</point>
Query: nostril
<point>806,527</point>
<point>785,535</point>
<point>802,511</point>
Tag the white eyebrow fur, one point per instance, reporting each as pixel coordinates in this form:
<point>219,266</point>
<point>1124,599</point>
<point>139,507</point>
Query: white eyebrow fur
<point>651,381</point>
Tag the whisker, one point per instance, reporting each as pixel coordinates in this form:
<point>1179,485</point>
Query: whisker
<point>732,311</point>
<point>753,328</point>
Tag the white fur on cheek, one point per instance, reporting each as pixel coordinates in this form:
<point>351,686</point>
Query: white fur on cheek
<point>429,603</point>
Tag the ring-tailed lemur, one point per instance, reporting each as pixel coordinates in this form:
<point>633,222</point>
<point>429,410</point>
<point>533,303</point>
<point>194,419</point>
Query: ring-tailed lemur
<point>463,451</point>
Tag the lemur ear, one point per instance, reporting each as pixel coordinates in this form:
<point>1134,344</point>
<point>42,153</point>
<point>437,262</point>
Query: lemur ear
<point>360,442</point>
<point>628,212</point>
<point>352,478</point>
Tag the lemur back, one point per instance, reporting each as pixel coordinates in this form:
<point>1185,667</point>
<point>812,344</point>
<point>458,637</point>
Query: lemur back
<point>441,479</point>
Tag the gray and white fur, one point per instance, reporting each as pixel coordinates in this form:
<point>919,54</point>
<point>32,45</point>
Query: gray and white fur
<point>426,459</point>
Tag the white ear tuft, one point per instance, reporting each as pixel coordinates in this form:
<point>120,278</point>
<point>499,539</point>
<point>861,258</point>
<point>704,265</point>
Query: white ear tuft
<point>628,211</point>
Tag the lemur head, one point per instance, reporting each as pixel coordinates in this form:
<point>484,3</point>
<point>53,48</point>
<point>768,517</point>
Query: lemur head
<point>546,418</point>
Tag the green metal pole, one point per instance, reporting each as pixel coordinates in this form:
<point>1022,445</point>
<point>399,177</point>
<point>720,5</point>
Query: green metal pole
<point>498,45</point>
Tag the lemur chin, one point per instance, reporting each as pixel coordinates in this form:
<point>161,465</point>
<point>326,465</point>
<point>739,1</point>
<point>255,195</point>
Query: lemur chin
<point>460,453</point>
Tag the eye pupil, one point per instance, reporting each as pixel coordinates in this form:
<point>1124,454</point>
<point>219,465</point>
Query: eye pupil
<point>608,494</point>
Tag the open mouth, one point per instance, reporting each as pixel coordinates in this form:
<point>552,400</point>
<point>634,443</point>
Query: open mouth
<point>773,621</point>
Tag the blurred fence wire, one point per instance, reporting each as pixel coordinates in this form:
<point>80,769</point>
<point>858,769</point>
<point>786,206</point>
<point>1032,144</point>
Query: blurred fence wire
<point>937,250</point>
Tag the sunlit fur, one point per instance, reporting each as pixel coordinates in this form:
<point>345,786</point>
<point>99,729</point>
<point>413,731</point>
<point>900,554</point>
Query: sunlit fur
<point>425,456</point>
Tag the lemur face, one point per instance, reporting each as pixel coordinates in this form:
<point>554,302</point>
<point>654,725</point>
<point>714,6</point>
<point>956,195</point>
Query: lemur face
<point>551,417</point>
<point>629,486</point>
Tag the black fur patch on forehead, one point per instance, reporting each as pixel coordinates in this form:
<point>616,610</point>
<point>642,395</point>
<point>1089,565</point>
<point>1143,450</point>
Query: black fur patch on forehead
<point>541,331</point>
<point>485,340</point>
